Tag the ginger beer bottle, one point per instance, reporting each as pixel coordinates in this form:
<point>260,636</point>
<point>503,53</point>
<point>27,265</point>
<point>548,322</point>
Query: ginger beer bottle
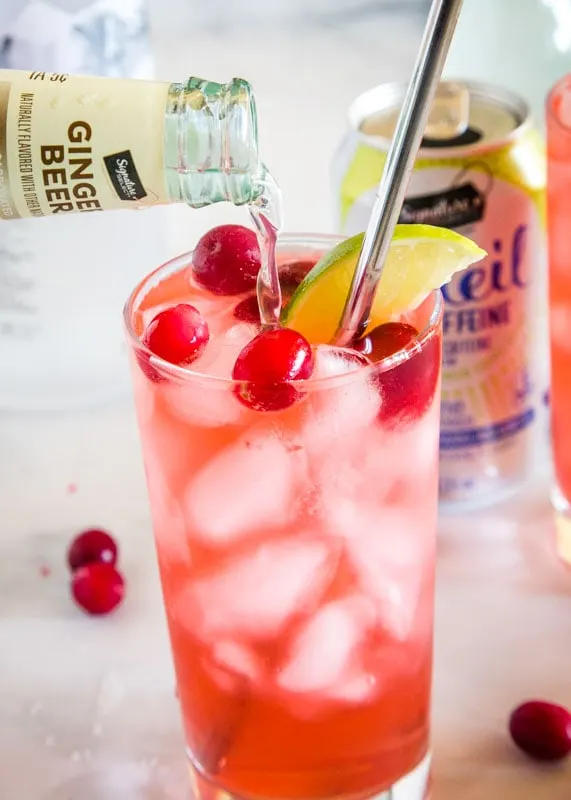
<point>70,148</point>
<point>80,144</point>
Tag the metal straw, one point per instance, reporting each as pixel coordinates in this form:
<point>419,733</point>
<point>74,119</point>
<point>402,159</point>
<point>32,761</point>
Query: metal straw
<point>409,129</point>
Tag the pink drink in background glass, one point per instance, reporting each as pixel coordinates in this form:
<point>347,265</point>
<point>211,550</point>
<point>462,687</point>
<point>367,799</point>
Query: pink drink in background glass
<point>296,551</point>
<point>558,116</point>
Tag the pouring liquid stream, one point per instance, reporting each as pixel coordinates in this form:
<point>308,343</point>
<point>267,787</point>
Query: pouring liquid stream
<point>266,214</point>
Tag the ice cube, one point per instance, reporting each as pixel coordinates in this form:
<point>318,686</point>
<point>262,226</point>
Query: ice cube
<point>378,466</point>
<point>246,488</point>
<point>358,688</point>
<point>339,412</point>
<point>258,593</point>
<point>211,403</point>
<point>228,682</point>
<point>237,658</point>
<point>361,478</point>
<point>206,404</point>
<point>412,451</point>
<point>390,551</point>
<point>221,352</point>
<point>403,456</point>
<point>331,361</point>
<point>327,647</point>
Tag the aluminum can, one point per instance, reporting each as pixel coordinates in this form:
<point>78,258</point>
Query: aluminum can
<point>480,171</point>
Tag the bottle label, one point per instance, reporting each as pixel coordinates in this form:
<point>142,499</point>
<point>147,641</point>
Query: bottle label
<point>76,144</point>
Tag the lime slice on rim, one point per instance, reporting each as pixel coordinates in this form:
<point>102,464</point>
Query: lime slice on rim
<point>421,258</point>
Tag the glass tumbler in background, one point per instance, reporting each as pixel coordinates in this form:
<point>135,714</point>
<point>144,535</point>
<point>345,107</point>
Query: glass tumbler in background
<point>558,119</point>
<point>296,551</point>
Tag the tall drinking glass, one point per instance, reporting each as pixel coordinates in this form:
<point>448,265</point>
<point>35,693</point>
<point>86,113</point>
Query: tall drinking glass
<point>558,117</point>
<point>296,552</point>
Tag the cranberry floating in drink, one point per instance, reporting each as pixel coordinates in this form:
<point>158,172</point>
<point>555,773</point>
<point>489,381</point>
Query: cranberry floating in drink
<point>267,366</point>
<point>226,260</point>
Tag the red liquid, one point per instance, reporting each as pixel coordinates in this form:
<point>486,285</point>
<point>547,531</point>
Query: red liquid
<point>559,211</point>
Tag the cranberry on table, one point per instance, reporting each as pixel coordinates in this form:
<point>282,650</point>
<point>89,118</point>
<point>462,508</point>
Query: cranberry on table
<point>97,588</point>
<point>92,545</point>
<point>267,364</point>
<point>407,388</point>
<point>542,730</point>
<point>178,334</point>
<point>226,260</point>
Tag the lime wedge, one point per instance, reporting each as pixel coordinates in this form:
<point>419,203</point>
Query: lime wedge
<point>421,258</point>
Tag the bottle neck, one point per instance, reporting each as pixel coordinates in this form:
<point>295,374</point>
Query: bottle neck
<point>211,143</point>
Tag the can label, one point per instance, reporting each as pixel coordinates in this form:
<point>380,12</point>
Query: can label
<point>79,144</point>
<point>492,381</point>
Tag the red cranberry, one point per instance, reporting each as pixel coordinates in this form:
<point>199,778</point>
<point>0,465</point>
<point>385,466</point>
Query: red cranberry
<point>97,588</point>
<point>291,275</point>
<point>542,730</point>
<point>293,272</point>
<point>331,361</point>
<point>92,545</point>
<point>386,339</point>
<point>407,389</point>
<point>248,310</point>
<point>267,364</point>
<point>226,260</point>
<point>178,334</point>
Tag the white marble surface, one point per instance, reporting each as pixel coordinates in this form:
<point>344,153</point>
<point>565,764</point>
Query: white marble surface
<point>87,707</point>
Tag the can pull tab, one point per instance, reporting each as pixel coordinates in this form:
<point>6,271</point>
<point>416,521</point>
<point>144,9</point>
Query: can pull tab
<point>450,112</point>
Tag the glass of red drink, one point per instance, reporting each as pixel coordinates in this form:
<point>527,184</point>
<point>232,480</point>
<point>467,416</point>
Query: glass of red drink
<point>296,541</point>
